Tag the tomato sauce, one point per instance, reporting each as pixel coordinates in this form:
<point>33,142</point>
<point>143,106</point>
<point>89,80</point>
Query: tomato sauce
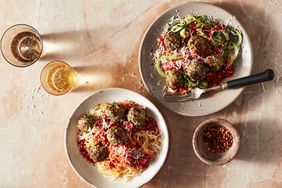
<point>83,151</point>
<point>216,78</point>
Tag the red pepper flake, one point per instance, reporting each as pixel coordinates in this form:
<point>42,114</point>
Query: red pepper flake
<point>218,139</point>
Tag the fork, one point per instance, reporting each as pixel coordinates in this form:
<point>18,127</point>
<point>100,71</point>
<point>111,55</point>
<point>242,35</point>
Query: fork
<point>196,93</point>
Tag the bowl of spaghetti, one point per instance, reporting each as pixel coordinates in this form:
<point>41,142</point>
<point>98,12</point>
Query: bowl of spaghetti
<point>116,138</point>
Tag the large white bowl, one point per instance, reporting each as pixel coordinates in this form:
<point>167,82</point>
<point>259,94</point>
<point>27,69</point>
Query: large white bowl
<point>209,103</point>
<point>90,172</point>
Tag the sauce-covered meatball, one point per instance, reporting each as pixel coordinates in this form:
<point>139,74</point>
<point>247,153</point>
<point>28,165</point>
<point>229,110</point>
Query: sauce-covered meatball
<point>113,111</point>
<point>136,115</point>
<point>214,62</point>
<point>219,38</point>
<point>85,122</point>
<point>198,45</point>
<point>172,41</point>
<point>98,152</point>
<point>174,80</point>
<point>196,70</point>
<point>116,135</point>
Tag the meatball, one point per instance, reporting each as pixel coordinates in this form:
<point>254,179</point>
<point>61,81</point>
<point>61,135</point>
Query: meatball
<point>172,41</point>
<point>196,70</point>
<point>113,111</point>
<point>85,122</point>
<point>116,135</point>
<point>136,156</point>
<point>174,80</point>
<point>219,38</point>
<point>214,62</point>
<point>198,45</point>
<point>98,152</point>
<point>136,115</point>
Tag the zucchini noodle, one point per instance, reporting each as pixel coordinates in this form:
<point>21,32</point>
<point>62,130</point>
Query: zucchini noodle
<point>196,51</point>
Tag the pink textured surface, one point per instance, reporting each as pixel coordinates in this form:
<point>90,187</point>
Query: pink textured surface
<point>101,40</point>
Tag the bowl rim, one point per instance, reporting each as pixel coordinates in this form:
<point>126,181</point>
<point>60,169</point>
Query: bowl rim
<point>166,132</point>
<point>224,123</point>
<point>240,90</point>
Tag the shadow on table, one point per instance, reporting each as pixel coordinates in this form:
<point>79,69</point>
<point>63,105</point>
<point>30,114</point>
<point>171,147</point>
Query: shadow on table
<point>69,45</point>
<point>95,77</point>
<point>66,45</point>
<point>260,141</point>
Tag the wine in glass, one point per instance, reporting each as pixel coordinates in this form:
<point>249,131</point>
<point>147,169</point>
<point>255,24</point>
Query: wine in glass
<point>58,78</point>
<point>21,45</point>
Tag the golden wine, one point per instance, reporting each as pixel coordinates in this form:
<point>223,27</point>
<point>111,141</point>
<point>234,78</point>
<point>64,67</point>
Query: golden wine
<point>61,78</point>
<point>58,78</point>
<point>26,47</point>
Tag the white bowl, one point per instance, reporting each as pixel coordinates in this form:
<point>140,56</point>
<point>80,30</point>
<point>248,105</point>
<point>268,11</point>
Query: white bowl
<point>212,102</point>
<point>90,172</point>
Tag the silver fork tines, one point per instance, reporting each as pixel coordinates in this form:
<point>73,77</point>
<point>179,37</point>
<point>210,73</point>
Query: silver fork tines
<point>193,94</point>
<point>178,98</point>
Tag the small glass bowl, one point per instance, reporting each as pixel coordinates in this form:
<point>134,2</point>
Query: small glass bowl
<point>201,149</point>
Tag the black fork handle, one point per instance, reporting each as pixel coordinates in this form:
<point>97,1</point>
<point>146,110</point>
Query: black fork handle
<point>267,75</point>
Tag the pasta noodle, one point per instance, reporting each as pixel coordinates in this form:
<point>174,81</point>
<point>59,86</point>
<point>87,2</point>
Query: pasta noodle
<point>122,139</point>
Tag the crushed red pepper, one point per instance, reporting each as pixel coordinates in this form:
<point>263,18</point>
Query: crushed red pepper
<point>218,139</point>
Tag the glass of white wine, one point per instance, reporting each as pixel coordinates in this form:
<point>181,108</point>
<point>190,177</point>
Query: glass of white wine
<point>21,45</point>
<point>58,78</point>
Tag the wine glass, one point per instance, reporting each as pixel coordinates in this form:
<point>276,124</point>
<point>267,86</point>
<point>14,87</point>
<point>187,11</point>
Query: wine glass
<point>21,45</point>
<point>58,78</point>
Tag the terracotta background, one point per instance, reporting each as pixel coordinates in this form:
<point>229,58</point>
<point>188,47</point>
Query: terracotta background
<point>101,40</point>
